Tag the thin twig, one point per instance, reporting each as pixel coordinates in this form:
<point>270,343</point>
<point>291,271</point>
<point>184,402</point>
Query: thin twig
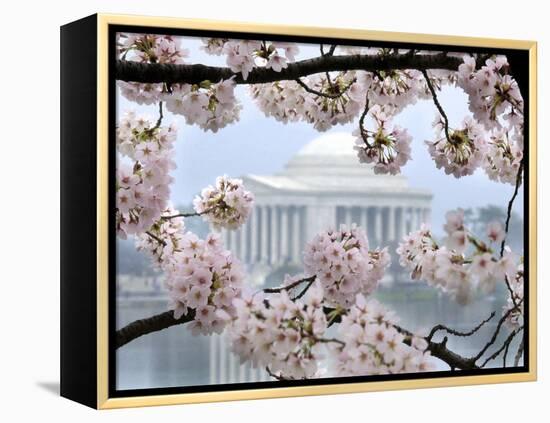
<point>510,206</point>
<point>302,293</point>
<point>330,340</point>
<point>273,375</point>
<point>505,355</point>
<point>362,129</point>
<point>322,94</point>
<point>289,286</point>
<point>506,342</point>
<point>519,352</point>
<point>189,214</point>
<point>495,334</point>
<point>156,238</point>
<point>161,115</point>
<point>454,332</point>
<point>437,103</point>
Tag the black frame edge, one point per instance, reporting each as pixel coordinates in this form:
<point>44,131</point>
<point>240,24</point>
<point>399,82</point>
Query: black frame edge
<point>78,360</point>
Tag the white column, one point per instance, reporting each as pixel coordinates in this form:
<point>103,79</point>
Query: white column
<point>213,358</point>
<point>274,236</point>
<point>296,235</point>
<point>242,373</point>
<point>233,364</point>
<point>391,223</point>
<point>244,241</point>
<point>365,219</point>
<point>417,218</point>
<point>264,234</point>
<point>253,223</point>
<point>402,223</point>
<point>227,239</point>
<point>252,374</point>
<point>223,360</point>
<point>284,233</point>
<point>427,216</point>
<point>348,216</point>
<point>378,225</point>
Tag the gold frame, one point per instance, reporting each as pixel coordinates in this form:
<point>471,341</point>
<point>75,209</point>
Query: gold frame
<point>103,401</point>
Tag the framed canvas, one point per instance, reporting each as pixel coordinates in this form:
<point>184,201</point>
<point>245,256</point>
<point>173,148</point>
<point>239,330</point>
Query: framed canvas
<point>254,211</point>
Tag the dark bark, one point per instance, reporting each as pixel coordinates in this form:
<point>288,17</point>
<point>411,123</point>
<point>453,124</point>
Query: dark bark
<point>148,325</point>
<point>196,73</point>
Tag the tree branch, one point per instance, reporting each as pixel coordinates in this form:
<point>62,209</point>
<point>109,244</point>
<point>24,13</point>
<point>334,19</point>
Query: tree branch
<point>193,74</point>
<point>454,360</point>
<point>148,325</point>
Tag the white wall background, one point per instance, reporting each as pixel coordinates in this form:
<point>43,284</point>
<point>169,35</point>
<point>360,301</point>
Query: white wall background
<point>29,211</point>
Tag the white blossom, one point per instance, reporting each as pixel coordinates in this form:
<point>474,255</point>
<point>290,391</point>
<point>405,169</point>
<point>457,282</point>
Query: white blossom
<point>144,162</point>
<point>227,204</point>
<point>342,262</point>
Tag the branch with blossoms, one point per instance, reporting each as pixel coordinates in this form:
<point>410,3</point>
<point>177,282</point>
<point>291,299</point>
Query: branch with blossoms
<point>173,73</point>
<point>284,329</point>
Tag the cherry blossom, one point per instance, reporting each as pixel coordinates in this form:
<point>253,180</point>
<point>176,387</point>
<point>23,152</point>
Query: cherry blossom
<point>210,106</point>
<point>342,262</point>
<point>373,345</point>
<point>493,93</point>
<point>284,335</point>
<point>148,48</point>
<point>462,152</point>
<point>242,56</point>
<point>145,161</point>
<point>225,205</point>
<point>462,263</point>
<point>503,158</point>
<point>515,304</point>
<point>387,147</point>
<point>200,274</point>
<point>287,101</point>
<point>286,330</point>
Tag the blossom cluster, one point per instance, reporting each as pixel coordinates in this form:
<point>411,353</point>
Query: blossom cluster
<point>200,274</point>
<point>287,101</point>
<point>462,152</point>
<point>463,263</point>
<point>164,238</point>
<point>343,264</point>
<point>143,178</point>
<point>151,48</point>
<point>503,158</point>
<point>211,106</point>
<point>372,344</point>
<point>227,204</point>
<point>387,147</point>
<point>494,95</point>
<point>394,88</point>
<point>276,332</point>
<point>148,48</point>
<point>242,56</point>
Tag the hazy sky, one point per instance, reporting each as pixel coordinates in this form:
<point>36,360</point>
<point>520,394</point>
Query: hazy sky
<point>260,145</point>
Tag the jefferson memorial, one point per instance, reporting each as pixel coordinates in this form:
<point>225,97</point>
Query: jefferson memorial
<point>323,186</point>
